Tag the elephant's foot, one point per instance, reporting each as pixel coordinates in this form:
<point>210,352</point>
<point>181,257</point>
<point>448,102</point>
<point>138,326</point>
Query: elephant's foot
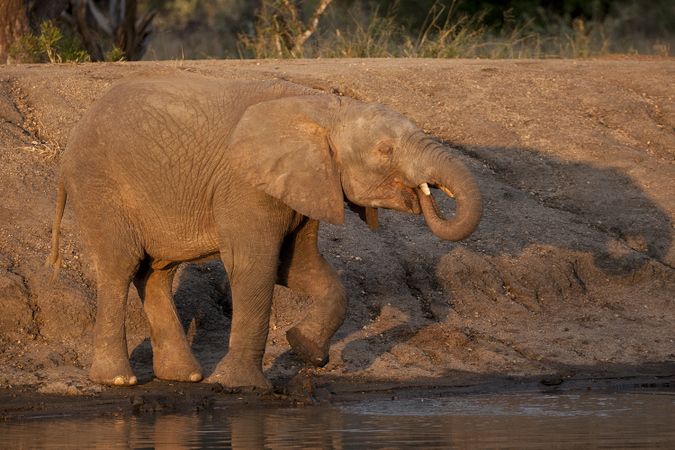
<point>173,365</point>
<point>237,376</point>
<point>309,350</point>
<point>105,371</point>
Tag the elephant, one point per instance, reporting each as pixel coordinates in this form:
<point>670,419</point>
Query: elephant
<point>170,167</point>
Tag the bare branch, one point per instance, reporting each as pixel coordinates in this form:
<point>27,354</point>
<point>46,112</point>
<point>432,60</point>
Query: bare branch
<point>44,10</point>
<point>67,18</point>
<point>292,10</point>
<point>143,31</point>
<point>99,18</point>
<point>113,15</point>
<point>88,38</point>
<point>144,23</point>
<point>311,28</point>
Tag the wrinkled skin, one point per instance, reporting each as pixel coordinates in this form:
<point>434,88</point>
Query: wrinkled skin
<point>169,167</point>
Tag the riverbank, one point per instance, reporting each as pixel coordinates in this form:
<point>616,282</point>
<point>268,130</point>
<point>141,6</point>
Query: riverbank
<point>570,274</point>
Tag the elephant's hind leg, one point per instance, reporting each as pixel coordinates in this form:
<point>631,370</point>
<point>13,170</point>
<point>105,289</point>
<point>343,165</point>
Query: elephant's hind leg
<point>305,270</point>
<point>172,358</point>
<point>111,356</point>
<point>115,262</point>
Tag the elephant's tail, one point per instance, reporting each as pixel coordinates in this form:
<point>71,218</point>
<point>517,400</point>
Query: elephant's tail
<point>55,257</point>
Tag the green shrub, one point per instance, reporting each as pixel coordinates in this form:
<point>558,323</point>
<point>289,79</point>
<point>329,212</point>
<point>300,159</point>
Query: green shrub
<point>116,54</point>
<point>49,46</point>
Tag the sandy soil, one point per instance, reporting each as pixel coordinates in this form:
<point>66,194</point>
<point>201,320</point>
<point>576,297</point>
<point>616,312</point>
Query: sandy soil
<point>570,276</point>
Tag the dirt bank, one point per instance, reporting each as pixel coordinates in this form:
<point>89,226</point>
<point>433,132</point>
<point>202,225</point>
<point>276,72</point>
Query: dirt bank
<point>570,274</point>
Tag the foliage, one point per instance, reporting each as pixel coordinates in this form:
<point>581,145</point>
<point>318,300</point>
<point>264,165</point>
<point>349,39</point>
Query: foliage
<point>123,26</point>
<point>362,28</point>
<point>276,30</point>
<point>455,37</point>
<point>446,32</point>
<point>49,46</point>
<point>279,31</point>
<point>378,38</point>
<point>116,54</point>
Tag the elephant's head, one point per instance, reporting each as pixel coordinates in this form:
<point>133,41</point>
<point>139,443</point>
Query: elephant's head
<point>313,151</point>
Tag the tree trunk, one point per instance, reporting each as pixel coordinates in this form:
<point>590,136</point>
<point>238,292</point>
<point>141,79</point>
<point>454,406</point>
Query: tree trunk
<point>13,25</point>
<point>128,40</point>
<point>88,36</point>
<point>43,11</point>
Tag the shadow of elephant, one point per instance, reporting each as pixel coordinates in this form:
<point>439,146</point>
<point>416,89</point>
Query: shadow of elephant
<point>542,216</point>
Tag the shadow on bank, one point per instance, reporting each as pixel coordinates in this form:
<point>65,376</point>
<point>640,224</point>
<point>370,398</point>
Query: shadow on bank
<point>554,235</point>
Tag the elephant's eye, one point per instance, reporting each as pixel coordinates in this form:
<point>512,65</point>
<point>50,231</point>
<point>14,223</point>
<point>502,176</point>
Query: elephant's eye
<point>384,148</point>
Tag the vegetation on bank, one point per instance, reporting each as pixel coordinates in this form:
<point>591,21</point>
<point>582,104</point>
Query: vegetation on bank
<point>445,33</point>
<point>198,29</point>
<point>49,45</point>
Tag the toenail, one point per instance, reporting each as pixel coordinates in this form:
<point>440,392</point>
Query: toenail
<point>195,376</point>
<point>119,381</point>
<point>132,380</point>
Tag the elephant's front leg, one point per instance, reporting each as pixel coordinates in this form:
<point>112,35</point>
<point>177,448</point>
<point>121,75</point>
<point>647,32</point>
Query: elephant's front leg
<point>252,283</point>
<point>305,270</point>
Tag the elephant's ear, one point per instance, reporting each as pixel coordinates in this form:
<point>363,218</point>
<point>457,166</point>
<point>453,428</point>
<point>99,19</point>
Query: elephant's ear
<point>279,147</point>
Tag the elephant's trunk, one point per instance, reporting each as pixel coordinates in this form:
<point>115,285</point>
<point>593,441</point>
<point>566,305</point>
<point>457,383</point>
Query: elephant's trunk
<point>452,177</point>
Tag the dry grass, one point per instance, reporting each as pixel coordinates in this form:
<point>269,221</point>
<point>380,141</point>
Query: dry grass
<point>445,34</point>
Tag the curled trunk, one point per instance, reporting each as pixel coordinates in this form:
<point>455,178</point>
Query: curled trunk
<point>453,178</point>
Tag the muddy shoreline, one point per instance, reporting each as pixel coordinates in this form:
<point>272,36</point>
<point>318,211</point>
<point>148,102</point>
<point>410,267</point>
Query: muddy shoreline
<point>570,276</point>
<point>160,397</point>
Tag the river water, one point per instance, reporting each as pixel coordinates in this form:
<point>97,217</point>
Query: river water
<point>519,421</point>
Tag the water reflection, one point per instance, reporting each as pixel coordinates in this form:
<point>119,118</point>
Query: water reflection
<point>514,421</point>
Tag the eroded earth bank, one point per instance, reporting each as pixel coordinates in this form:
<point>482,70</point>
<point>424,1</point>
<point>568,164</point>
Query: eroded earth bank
<point>570,275</point>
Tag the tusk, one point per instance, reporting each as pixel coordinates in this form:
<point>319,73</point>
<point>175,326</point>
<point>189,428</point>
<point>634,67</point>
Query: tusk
<point>425,188</point>
<point>447,191</point>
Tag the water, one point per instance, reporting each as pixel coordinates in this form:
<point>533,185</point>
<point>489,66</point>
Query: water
<point>586,420</point>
